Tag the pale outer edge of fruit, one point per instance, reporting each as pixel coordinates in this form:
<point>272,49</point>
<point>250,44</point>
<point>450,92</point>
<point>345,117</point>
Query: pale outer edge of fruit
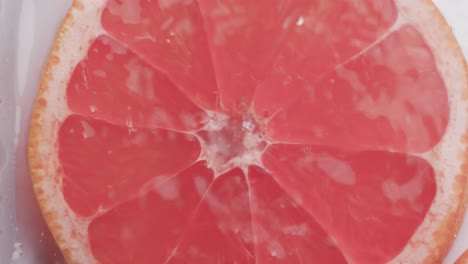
<point>431,240</point>
<point>463,259</point>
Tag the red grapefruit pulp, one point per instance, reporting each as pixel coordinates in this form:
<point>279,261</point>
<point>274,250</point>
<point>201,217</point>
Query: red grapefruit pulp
<point>251,132</point>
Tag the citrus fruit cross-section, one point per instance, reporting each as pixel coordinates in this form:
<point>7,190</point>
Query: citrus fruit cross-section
<point>241,131</point>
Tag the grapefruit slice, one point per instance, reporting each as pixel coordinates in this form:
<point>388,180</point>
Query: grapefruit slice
<point>309,131</point>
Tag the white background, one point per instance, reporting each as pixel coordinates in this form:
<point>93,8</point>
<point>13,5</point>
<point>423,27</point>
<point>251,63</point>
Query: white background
<point>23,235</point>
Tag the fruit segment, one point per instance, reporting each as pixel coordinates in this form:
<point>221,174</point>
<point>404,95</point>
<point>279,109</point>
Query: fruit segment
<point>323,35</point>
<point>244,38</point>
<point>113,84</point>
<point>233,46</point>
<point>370,202</point>
<point>147,229</point>
<point>285,233</point>
<point>221,231</point>
<point>104,164</point>
<point>170,36</point>
<point>391,98</point>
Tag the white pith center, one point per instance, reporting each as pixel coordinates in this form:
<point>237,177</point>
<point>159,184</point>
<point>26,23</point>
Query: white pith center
<point>232,142</point>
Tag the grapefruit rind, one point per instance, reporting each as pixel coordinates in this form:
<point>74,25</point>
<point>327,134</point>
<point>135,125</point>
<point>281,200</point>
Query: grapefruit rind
<point>79,28</point>
<point>463,259</point>
<point>436,234</point>
<point>82,25</point>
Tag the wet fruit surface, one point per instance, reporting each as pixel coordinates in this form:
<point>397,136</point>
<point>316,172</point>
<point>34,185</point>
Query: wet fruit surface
<point>252,132</point>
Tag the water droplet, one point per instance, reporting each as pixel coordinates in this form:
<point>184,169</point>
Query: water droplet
<point>17,252</point>
<point>300,21</point>
<point>130,127</point>
<point>93,109</point>
<point>3,156</point>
